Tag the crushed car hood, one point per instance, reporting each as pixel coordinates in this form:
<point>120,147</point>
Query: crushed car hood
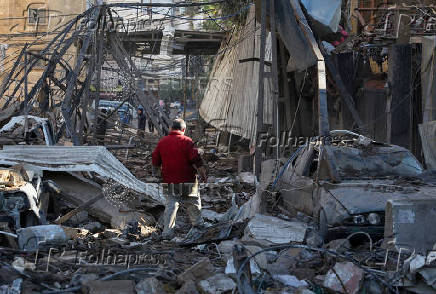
<point>364,196</point>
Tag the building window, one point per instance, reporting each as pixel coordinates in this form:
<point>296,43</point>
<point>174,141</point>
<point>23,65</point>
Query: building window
<point>37,16</point>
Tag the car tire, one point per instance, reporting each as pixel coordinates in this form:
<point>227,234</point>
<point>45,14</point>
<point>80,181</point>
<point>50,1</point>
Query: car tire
<point>322,224</point>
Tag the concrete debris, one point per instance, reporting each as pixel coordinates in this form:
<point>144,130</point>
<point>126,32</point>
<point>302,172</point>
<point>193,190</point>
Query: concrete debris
<point>150,285</point>
<point>32,238</point>
<point>429,276</point>
<point>230,267</point>
<point>314,239</point>
<point>109,287</point>
<point>339,245</point>
<point>79,218</point>
<point>211,215</point>
<point>417,263</point>
<point>271,230</point>
<point>200,270</point>
<point>82,205</point>
<point>345,278</point>
<point>188,288</point>
<point>247,178</point>
<point>80,279</point>
<point>217,284</point>
<point>290,281</point>
<point>15,288</point>
<point>21,265</point>
<point>93,227</point>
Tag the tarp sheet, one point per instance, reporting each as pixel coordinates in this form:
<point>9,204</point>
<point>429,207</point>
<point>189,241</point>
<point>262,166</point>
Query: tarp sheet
<point>326,14</point>
<point>293,36</point>
<point>428,139</point>
<point>428,76</point>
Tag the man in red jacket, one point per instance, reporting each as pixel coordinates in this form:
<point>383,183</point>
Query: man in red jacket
<point>179,161</point>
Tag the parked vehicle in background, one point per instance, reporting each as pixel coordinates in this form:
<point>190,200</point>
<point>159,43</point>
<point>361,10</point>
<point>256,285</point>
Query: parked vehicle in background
<point>125,113</point>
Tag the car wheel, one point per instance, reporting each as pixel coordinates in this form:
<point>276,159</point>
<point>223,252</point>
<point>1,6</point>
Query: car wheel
<point>322,224</point>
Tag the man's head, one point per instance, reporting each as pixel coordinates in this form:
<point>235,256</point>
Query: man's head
<point>140,111</point>
<point>178,125</point>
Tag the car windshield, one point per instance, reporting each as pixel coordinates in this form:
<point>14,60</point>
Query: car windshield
<point>375,161</point>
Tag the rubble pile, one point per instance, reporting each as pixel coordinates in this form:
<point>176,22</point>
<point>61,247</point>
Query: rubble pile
<point>74,245</point>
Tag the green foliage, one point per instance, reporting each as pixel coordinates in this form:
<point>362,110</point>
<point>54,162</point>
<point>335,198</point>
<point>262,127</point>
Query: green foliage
<point>229,7</point>
<point>171,92</point>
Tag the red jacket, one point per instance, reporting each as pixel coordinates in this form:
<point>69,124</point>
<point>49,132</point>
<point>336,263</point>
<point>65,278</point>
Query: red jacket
<point>176,154</point>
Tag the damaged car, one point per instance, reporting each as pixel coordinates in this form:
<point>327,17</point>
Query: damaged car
<point>346,183</point>
<point>23,198</point>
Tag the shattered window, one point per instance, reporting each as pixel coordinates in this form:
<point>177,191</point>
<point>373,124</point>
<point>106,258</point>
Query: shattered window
<point>376,162</point>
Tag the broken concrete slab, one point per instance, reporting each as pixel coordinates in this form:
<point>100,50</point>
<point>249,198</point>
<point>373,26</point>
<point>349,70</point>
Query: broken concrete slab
<point>290,281</point>
<point>93,227</point>
<point>198,271</point>
<point>32,238</point>
<point>109,287</point>
<point>80,279</point>
<point>211,215</point>
<point>76,191</point>
<point>269,230</point>
<point>247,178</point>
<point>188,288</point>
<point>150,285</point>
<point>217,284</point>
<point>339,245</point>
<point>429,276</point>
<point>417,262</point>
<point>344,274</point>
<point>230,267</point>
<point>79,218</point>
<point>226,248</point>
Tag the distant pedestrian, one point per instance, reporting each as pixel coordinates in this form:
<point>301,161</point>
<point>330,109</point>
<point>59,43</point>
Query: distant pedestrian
<point>142,120</point>
<point>101,126</point>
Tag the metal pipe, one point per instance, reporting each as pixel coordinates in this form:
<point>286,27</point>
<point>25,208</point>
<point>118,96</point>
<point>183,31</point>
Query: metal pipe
<point>9,234</point>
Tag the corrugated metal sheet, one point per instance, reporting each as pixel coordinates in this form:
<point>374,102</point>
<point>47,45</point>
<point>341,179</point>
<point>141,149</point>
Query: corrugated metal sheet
<point>230,101</point>
<point>78,159</point>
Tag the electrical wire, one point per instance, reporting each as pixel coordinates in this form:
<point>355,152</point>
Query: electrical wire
<point>180,4</point>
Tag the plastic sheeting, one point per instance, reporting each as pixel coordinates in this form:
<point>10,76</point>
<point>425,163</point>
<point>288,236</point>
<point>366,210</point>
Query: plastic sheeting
<point>293,35</point>
<point>428,139</point>
<point>428,76</point>
<point>325,13</point>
